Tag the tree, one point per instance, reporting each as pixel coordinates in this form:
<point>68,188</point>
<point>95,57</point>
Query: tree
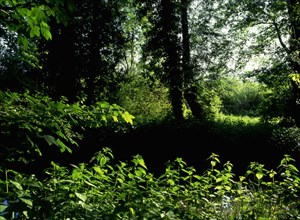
<point>190,87</point>
<point>171,46</point>
<point>31,121</point>
<point>23,24</point>
<point>167,52</point>
<point>86,52</point>
<point>273,27</point>
<point>294,20</point>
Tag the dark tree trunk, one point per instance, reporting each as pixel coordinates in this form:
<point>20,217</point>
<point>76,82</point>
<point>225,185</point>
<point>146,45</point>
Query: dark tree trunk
<point>190,89</point>
<point>171,49</point>
<point>93,61</point>
<point>294,18</point>
<point>61,78</point>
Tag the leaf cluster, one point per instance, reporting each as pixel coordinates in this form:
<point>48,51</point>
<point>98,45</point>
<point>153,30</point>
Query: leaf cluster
<point>29,121</point>
<point>33,17</point>
<point>126,190</point>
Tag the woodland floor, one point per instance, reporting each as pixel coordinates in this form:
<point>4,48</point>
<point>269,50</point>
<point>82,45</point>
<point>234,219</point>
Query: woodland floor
<point>160,143</point>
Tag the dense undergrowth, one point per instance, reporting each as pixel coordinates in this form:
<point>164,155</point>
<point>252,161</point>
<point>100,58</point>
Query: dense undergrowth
<point>126,190</point>
<point>107,187</point>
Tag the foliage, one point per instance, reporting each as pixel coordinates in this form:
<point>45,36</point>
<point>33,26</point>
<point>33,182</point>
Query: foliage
<point>212,44</point>
<point>287,138</point>
<point>30,120</point>
<point>296,78</point>
<point>33,17</point>
<point>210,100</point>
<point>126,190</point>
<point>235,127</point>
<point>147,101</point>
<point>242,97</point>
<point>87,52</point>
<point>17,63</point>
<point>231,95</point>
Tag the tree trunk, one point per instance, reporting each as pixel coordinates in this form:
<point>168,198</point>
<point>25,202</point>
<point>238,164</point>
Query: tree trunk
<point>172,63</point>
<point>59,64</point>
<point>190,89</point>
<point>294,18</point>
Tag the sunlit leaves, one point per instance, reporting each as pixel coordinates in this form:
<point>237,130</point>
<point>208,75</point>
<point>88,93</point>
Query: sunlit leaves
<point>34,17</point>
<point>127,190</point>
<point>35,117</point>
<point>296,78</point>
<point>128,117</point>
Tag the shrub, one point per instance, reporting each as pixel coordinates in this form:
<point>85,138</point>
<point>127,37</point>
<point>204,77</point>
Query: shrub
<point>126,190</point>
<point>147,101</point>
<point>29,121</point>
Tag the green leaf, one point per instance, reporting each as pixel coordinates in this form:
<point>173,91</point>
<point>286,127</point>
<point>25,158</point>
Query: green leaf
<point>128,117</point>
<point>138,173</point>
<point>24,41</point>
<point>62,146</point>
<point>171,182</point>
<point>142,170</point>
<point>115,118</point>
<point>90,184</point>
<point>76,174</point>
<point>197,177</point>
<point>141,162</point>
<point>102,161</point>
<point>46,33</point>
<point>35,31</point>
<point>81,196</point>
<point>17,185</point>
<point>219,179</point>
<point>50,139</point>
<point>27,201</point>
<point>60,134</point>
<point>259,175</point>
<point>2,208</point>
<point>104,105</point>
<point>99,170</point>
<point>213,163</point>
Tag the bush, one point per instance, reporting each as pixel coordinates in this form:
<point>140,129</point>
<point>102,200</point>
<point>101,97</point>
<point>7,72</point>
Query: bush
<point>232,96</point>
<point>29,121</point>
<point>287,138</point>
<point>125,190</point>
<point>241,98</point>
<point>147,101</point>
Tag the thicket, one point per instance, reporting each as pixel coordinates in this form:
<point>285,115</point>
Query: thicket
<point>107,189</point>
<point>101,190</point>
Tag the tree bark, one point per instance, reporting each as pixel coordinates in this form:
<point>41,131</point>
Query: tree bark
<point>59,63</point>
<point>294,19</point>
<point>172,63</point>
<point>190,89</point>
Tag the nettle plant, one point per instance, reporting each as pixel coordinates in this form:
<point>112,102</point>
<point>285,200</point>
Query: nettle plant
<point>29,121</point>
<point>102,189</point>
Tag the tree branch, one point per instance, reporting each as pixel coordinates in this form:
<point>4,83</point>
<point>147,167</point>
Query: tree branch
<point>278,32</point>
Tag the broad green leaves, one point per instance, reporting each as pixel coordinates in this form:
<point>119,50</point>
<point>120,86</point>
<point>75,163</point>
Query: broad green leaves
<point>127,191</point>
<point>27,119</point>
<point>34,17</point>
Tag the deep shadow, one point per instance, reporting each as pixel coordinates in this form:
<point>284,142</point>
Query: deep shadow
<point>158,144</point>
<point>192,141</point>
